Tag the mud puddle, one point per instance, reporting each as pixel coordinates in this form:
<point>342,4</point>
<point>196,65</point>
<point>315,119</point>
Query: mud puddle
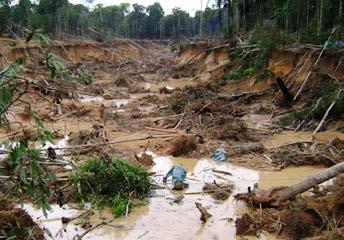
<point>163,218</point>
<point>291,137</point>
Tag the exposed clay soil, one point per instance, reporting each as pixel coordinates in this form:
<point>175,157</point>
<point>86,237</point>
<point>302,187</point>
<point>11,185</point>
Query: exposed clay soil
<point>167,102</point>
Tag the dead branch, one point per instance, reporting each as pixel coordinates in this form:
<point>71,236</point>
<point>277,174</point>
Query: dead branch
<point>327,112</point>
<point>91,229</point>
<point>277,196</point>
<point>161,130</point>
<point>315,64</point>
<point>223,172</point>
<point>304,120</point>
<point>204,213</point>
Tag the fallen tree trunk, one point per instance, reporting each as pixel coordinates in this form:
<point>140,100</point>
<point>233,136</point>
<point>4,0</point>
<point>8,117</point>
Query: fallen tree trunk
<point>288,96</point>
<point>276,196</point>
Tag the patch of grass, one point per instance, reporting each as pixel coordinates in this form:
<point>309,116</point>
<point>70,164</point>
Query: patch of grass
<point>263,76</point>
<point>178,105</point>
<point>237,74</point>
<point>110,182</point>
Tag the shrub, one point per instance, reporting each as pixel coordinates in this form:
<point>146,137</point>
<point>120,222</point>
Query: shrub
<point>110,182</point>
<point>270,38</point>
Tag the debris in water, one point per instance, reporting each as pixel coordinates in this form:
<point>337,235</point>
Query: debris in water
<point>205,215</point>
<point>145,159</point>
<point>178,174</point>
<point>245,225</point>
<point>15,223</point>
<point>181,145</point>
<point>218,191</point>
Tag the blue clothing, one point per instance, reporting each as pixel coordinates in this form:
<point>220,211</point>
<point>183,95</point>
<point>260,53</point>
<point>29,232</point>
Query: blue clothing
<point>177,172</point>
<point>220,155</point>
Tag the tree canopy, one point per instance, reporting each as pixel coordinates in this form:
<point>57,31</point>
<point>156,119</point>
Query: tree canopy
<point>308,21</point>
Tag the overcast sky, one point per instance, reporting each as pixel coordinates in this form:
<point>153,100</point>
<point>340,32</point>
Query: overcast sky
<point>189,5</point>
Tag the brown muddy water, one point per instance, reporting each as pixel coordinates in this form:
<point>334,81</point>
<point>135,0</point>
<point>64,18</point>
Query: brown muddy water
<point>291,137</point>
<point>161,218</point>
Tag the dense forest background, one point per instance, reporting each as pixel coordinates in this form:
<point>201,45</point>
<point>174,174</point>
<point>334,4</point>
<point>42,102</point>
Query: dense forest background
<point>300,21</point>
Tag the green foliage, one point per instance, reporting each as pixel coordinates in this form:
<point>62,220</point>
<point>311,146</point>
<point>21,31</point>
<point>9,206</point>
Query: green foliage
<point>269,38</point>
<point>33,177</point>
<point>39,35</point>
<point>43,134</point>
<point>19,232</point>
<point>55,65</point>
<point>119,206</point>
<point>82,75</point>
<point>238,73</point>
<point>7,85</point>
<point>289,119</point>
<point>6,94</point>
<point>12,69</point>
<point>327,90</point>
<point>263,75</point>
<point>178,105</point>
<point>110,182</point>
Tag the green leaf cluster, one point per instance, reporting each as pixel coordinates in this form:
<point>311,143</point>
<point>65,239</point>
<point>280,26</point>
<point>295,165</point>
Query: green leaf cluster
<point>239,73</point>
<point>110,182</point>
<point>44,135</point>
<point>24,162</point>
<point>12,70</point>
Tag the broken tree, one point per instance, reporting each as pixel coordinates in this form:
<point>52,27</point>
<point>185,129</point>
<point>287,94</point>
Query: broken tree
<point>277,196</point>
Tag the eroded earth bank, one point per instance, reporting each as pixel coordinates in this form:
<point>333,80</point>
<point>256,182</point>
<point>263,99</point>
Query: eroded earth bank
<point>156,108</point>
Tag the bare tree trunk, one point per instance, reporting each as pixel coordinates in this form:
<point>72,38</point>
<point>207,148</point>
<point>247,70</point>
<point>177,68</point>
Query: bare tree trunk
<point>229,23</point>
<point>307,17</point>
<point>309,182</point>
<point>244,16</point>
<point>341,9</point>
<point>201,21</point>
<point>287,18</point>
<point>261,12</point>
<point>320,16</point>
<point>278,195</point>
<point>298,19</point>
<point>236,14</point>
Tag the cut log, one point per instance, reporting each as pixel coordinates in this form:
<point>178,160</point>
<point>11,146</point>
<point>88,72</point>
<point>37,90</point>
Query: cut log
<point>277,196</point>
<point>288,96</point>
<point>160,130</point>
<point>309,182</point>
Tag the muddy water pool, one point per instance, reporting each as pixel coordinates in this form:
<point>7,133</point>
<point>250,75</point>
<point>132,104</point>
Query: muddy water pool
<point>161,218</point>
